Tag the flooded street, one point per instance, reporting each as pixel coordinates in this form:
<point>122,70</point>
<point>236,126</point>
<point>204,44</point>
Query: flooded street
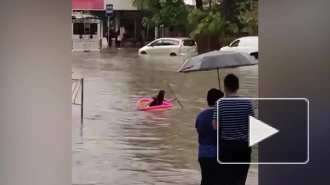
<point>122,146</point>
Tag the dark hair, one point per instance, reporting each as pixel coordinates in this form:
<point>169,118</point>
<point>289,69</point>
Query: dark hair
<point>231,83</point>
<point>160,97</point>
<point>213,95</point>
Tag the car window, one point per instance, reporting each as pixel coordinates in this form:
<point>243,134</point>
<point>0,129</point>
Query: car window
<point>235,43</point>
<point>175,42</point>
<point>189,42</point>
<point>170,42</point>
<point>157,43</point>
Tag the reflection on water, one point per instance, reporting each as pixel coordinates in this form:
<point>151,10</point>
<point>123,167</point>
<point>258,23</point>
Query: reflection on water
<point>122,146</point>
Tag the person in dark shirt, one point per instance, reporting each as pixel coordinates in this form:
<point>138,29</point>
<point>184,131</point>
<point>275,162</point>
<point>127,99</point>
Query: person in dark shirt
<point>141,38</point>
<point>158,100</point>
<point>207,140</point>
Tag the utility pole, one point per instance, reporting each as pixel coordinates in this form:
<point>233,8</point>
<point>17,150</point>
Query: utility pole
<point>108,24</point>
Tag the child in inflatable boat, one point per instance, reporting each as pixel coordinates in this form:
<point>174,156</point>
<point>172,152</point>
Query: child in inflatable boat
<point>158,100</point>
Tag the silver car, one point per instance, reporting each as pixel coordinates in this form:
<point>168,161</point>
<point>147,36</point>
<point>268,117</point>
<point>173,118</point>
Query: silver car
<point>170,46</point>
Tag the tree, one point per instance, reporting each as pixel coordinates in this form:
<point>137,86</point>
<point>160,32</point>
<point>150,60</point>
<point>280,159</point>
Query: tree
<point>207,23</point>
<point>235,16</point>
<point>199,4</point>
<point>152,5</point>
<point>248,16</point>
<point>168,13</point>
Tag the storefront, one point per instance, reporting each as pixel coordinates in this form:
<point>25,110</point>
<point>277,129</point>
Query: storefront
<point>125,15</point>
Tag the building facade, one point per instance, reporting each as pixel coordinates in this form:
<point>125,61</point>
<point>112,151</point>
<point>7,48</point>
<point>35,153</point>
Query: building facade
<point>125,16</point>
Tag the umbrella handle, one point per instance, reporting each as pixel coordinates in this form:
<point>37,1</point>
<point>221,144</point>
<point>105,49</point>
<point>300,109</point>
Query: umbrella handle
<point>218,78</point>
<point>169,87</point>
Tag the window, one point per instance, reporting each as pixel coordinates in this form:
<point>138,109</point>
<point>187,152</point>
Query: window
<point>93,29</point>
<point>85,29</point>
<point>169,42</point>
<point>157,43</point>
<point>235,43</point>
<point>189,43</point>
<point>78,28</point>
<point>165,43</point>
<point>175,42</point>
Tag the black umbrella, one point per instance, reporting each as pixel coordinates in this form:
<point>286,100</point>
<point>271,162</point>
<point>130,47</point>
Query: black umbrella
<point>216,60</point>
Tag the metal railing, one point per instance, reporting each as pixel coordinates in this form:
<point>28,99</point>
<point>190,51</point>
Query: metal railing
<point>78,89</point>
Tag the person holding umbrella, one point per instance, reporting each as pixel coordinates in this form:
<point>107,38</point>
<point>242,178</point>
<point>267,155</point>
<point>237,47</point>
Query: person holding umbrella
<point>231,117</point>
<point>233,114</point>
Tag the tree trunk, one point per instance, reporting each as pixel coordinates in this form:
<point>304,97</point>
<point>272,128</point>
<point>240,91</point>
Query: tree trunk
<point>225,8</point>
<point>199,4</point>
<point>226,11</point>
<point>209,43</point>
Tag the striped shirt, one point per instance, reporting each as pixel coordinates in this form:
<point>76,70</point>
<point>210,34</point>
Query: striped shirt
<point>234,118</point>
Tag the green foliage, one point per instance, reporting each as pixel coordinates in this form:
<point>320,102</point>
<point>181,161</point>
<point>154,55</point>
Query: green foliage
<point>146,4</point>
<point>168,13</point>
<point>148,22</point>
<point>195,16</point>
<point>173,13</point>
<point>210,23</point>
<point>242,16</point>
<point>248,15</point>
<point>231,28</point>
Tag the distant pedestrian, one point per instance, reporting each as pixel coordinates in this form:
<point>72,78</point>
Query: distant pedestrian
<point>106,34</point>
<point>141,38</point>
<point>120,37</point>
<point>116,38</point>
<point>233,117</point>
<point>207,141</point>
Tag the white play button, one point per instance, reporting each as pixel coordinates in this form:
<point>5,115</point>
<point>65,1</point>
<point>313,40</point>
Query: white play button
<point>259,131</point>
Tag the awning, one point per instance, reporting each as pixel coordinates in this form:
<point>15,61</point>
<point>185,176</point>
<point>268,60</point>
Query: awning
<point>88,5</point>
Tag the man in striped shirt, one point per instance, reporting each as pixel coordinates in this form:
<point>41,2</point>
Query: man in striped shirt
<point>233,123</point>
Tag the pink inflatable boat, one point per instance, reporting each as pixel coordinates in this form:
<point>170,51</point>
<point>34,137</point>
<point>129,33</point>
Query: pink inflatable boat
<point>143,101</point>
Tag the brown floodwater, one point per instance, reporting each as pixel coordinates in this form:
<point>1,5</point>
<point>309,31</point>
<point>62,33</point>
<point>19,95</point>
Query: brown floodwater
<point>121,146</point>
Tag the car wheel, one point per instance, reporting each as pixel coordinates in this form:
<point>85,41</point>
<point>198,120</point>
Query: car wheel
<point>172,54</point>
<point>143,53</point>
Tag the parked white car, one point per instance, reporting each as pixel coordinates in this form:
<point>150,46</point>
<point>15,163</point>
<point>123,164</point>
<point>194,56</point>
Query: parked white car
<point>245,44</point>
<point>170,46</point>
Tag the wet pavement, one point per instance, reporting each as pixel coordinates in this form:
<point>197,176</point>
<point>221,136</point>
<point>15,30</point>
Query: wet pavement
<point>121,146</point>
